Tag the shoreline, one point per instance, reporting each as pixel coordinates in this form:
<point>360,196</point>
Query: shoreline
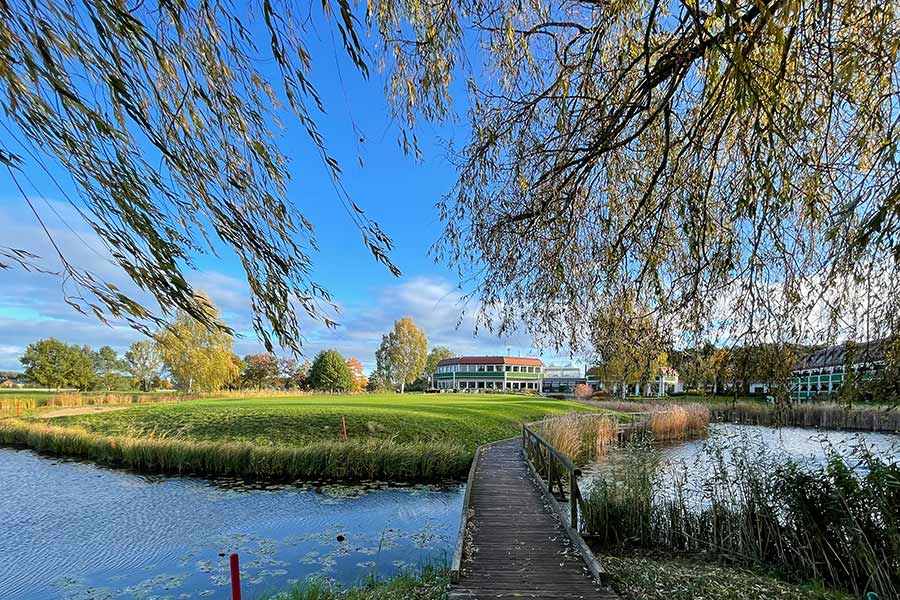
<point>331,461</point>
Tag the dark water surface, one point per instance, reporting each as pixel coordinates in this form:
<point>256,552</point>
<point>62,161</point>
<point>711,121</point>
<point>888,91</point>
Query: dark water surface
<point>71,530</point>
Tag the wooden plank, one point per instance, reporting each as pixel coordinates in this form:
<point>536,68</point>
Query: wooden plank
<point>518,546</point>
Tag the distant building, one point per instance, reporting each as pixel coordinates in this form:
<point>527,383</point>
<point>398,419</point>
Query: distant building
<point>823,372</point>
<point>666,382</point>
<point>562,379</point>
<point>757,388</point>
<point>478,373</point>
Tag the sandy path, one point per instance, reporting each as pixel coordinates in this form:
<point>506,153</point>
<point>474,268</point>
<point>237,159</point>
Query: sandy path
<point>80,410</point>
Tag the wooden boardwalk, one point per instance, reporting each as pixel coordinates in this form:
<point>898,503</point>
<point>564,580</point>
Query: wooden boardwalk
<point>514,544</point>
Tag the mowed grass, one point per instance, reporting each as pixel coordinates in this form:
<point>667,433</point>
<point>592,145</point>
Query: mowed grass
<point>466,419</point>
<point>393,437</point>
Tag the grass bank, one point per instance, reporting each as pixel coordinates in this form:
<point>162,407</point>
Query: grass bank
<point>838,524</point>
<point>649,577</point>
<point>391,437</point>
<point>431,584</point>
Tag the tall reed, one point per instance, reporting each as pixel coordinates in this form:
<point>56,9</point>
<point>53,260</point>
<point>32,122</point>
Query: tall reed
<point>581,437</point>
<point>351,461</point>
<point>839,523</point>
<point>812,414</point>
<point>678,422</point>
<point>10,404</point>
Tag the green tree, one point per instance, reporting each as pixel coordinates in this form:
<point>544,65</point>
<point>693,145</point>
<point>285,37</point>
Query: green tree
<point>329,372</point>
<point>293,373</point>
<point>48,363</point>
<point>404,350</point>
<point>108,367</point>
<point>198,357</point>
<point>628,345</point>
<point>437,354</point>
<point>143,362</point>
<point>259,370</point>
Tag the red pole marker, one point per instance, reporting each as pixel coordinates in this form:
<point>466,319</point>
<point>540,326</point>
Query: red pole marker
<point>235,578</point>
<point>344,425</point>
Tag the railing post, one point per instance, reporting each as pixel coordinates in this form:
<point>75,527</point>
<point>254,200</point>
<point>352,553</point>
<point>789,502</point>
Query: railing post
<point>573,499</point>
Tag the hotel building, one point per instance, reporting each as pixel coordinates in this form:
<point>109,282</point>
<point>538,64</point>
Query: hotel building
<point>822,372</point>
<point>478,373</point>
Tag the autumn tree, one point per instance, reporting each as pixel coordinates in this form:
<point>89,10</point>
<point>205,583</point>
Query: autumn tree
<point>293,373</point>
<point>143,362</point>
<point>198,357</point>
<point>628,345</point>
<point>167,126</point>
<point>329,372</point>
<point>401,357</point>
<point>360,382</point>
<point>720,159</point>
<point>259,370</point>
<point>731,163</point>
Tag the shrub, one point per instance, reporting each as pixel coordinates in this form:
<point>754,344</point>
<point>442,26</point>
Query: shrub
<point>583,390</point>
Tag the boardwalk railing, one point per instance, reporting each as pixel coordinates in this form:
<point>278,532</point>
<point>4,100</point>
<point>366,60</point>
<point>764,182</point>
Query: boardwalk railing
<point>558,478</point>
<point>556,470</point>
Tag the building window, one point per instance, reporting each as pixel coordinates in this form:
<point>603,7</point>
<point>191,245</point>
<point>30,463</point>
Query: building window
<point>489,368</point>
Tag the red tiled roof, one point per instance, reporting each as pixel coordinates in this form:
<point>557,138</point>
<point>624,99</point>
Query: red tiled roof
<point>492,360</point>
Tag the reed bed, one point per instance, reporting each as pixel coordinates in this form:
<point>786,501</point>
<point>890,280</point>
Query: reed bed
<point>363,459</point>
<point>822,415</point>
<point>11,405</point>
<point>581,437</point>
<point>586,437</point>
<point>678,422</point>
<point>838,524</point>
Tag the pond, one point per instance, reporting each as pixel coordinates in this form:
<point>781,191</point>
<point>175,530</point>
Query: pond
<point>77,531</point>
<point>693,460</point>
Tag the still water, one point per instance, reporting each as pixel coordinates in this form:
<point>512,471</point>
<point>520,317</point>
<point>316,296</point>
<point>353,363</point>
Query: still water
<point>693,462</point>
<point>76,531</point>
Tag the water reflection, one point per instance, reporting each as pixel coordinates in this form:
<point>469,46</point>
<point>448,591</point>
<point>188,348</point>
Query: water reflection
<point>691,463</point>
<point>77,531</point>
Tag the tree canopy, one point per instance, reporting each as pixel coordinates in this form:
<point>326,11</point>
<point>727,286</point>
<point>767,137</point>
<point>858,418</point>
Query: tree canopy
<point>732,163</point>
<point>330,373</point>
<point>143,362</point>
<point>167,127</point>
<point>55,364</point>
<point>199,358</point>
<point>401,358</point>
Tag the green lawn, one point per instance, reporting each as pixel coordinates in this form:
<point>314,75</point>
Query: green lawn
<point>393,437</point>
<point>464,419</point>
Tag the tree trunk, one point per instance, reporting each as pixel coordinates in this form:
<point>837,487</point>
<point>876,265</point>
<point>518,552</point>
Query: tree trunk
<point>402,386</point>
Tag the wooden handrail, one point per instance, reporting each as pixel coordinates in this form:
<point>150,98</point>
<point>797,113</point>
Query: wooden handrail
<point>542,459</point>
<point>562,458</point>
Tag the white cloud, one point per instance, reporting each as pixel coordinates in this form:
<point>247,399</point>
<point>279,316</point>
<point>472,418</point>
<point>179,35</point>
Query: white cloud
<point>32,304</point>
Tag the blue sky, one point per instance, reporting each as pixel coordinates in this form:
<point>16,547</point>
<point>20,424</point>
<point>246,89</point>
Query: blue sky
<point>394,189</point>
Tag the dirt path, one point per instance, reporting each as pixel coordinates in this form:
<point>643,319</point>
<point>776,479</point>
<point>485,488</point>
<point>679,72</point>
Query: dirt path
<point>79,410</point>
